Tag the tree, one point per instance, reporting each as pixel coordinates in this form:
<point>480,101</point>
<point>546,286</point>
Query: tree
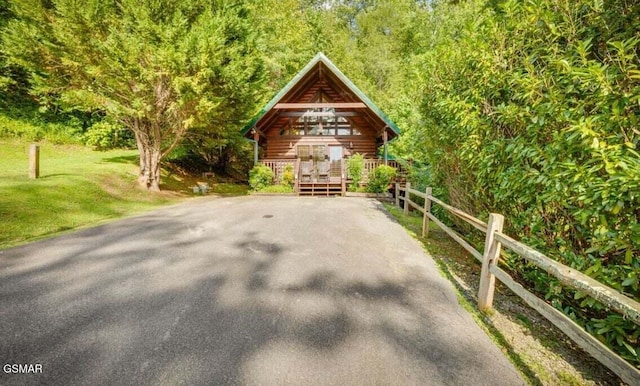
<point>160,67</point>
<point>13,80</point>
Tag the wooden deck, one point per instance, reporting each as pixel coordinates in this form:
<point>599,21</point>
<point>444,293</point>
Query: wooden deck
<point>315,185</point>
<point>320,189</point>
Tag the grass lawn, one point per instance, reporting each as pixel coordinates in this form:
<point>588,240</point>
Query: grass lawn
<point>77,187</point>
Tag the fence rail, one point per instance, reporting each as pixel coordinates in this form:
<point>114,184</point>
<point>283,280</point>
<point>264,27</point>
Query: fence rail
<point>494,241</point>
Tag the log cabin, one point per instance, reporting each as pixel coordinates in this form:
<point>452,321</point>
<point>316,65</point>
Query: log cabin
<point>315,123</point>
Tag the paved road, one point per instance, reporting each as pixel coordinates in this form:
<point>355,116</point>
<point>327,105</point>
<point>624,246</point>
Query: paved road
<point>249,290</point>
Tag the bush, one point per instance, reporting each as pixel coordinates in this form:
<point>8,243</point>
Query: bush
<point>535,121</point>
<point>288,177</point>
<point>36,130</point>
<point>260,177</point>
<point>380,178</point>
<point>355,168</point>
<point>105,135</point>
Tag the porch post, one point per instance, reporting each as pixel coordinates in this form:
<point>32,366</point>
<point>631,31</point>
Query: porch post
<point>384,140</point>
<point>256,138</point>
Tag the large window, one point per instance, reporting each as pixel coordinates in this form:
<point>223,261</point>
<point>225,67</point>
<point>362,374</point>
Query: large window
<point>315,152</point>
<point>315,122</point>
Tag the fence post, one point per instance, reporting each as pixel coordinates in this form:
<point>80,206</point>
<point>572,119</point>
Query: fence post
<point>406,198</point>
<point>427,209</point>
<point>397,195</point>
<point>490,258</point>
<point>34,160</point>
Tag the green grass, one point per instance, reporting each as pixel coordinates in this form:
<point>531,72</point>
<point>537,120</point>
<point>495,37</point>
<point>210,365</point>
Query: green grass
<point>276,189</point>
<point>77,187</point>
<point>230,189</point>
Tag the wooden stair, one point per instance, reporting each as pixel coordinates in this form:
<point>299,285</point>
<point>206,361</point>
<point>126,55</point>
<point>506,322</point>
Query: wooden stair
<point>320,189</point>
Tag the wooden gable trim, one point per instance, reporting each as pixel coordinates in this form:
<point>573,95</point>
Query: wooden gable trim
<point>301,106</point>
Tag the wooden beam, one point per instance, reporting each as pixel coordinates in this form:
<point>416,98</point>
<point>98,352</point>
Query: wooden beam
<point>456,237</point>
<point>256,138</point>
<point>320,114</point>
<point>590,344</point>
<point>343,105</point>
<point>570,277</point>
<point>481,226</point>
<point>384,141</point>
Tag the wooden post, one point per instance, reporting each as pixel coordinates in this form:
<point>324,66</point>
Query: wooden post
<point>34,160</point>
<point>343,180</point>
<point>256,138</point>
<point>384,140</point>
<point>406,198</point>
<point>296,174</point>
<point>427,209</point>
<point>397,195</point>
<point>490,258</point>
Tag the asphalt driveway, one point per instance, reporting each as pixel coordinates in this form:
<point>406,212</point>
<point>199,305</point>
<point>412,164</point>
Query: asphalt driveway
<point>248,290</point>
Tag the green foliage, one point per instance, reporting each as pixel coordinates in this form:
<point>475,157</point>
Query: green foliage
<point>288,177</point>
<point>355,170</point>
<point>276,189</point>
<point>35,130</point>
<point>380,178</point>
<point>105,135</point>
<point>421,177</point>
<point>260,177</point>
<point>530,109</point>
<point>160,68</point>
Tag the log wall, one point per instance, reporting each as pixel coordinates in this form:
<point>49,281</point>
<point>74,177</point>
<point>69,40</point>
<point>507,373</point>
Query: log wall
<point>285,146</point>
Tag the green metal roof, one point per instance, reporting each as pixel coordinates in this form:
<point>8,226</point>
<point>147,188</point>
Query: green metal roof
<point>320,57</point>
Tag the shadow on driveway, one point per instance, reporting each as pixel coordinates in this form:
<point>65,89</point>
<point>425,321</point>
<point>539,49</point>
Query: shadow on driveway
<point>269,290</point>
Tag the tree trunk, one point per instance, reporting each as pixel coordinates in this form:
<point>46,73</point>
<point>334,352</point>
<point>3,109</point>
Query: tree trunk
<point>150,155</point>
<point>154,177</point>
<point>143,175</point>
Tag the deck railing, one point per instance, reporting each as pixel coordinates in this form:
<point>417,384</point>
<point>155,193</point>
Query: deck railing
<point>278,166</point>
<point>494,241</point>
<point>372,163</point>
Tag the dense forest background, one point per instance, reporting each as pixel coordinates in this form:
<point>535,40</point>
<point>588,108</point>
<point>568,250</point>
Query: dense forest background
<point>525,108</point>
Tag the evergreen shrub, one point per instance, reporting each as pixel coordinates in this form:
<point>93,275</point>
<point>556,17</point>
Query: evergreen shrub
<point>260,177</point>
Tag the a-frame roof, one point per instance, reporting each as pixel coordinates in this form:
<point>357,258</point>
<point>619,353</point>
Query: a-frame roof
<point>321,66</point>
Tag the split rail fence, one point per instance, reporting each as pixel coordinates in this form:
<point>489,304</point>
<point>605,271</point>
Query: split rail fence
<point>494,241</point>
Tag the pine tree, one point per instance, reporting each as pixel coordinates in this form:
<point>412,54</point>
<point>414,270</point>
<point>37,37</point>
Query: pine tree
<point>160,67</point>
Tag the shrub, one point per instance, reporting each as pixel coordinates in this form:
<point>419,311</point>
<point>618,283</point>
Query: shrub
<point>380,178</point>
<point>542,129</point>
<point>260,177</point>
<point>288,178</point>
<point>105,135</point>
<point>355,168</point>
